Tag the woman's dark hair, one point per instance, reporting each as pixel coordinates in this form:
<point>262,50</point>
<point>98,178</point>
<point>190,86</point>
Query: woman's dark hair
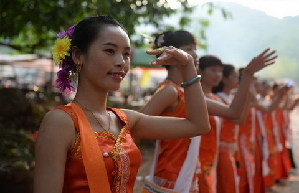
<point>175,38</point>
<point>228,69</point>
<point>240,73</point>
<point>209,61</point>
<point>87,30</point>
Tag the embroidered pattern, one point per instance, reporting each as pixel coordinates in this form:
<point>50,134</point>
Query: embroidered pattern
<point>118,154</point>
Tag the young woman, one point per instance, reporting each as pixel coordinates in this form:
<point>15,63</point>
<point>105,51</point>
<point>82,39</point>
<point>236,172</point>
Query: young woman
<point>228,148</point>
<point>174,157</point>
<point>86,146</point>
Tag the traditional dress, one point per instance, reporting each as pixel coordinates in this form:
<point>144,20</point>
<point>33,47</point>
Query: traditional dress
<point>246,144</point>
<point>208,155</point>
<point>227,175</point>
<point>269,148</point>
<point>284,161</point>
<point>121,158</point>
<point>272,159</point>
<point>259,155</point>
<point>280,171</point>
<point>175,161</point>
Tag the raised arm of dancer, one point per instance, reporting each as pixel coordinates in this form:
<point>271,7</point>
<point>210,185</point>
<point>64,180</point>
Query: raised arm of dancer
<point>163,99</point>
<point>275,102</point>
<point>234,111</point>
<point>196,121</point>
<point>293,104</point>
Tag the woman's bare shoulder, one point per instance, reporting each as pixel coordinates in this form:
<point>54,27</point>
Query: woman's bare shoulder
<point>57,123</point>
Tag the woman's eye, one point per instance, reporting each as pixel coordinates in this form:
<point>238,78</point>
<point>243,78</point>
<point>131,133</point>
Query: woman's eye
<point>109,51</point>
<point>127,54</point>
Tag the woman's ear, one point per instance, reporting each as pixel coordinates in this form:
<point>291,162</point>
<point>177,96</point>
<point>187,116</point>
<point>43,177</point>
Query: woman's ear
<point>77,56</point>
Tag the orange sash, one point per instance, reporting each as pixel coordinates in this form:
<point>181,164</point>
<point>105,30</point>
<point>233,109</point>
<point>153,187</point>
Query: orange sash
<point>94,164</point>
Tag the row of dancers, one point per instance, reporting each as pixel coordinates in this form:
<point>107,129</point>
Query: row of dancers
<point>88,147</point>
<point>242,154</point>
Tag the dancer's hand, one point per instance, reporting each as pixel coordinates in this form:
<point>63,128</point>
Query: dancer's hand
<point>171,56</point>
<point>266,58</point>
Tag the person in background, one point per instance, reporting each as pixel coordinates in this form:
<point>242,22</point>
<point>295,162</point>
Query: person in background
<point>173,158</point>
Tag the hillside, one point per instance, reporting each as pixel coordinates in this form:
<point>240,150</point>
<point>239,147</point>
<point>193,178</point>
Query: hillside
<point>249,32</point>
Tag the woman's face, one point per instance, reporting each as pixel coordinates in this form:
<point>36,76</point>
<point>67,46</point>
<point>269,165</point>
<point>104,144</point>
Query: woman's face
<point>211,76</point>
<point>191,49</point>
<point>231,81</point>
<point>107,59</point>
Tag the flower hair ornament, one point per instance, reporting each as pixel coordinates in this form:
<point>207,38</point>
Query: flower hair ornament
<point>160,40</point>
<point>68,70</point>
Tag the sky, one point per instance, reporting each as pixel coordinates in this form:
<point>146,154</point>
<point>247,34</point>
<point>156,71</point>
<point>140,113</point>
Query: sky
<point>275,8</point>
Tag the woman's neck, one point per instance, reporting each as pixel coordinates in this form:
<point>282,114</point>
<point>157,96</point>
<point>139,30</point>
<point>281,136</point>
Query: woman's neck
<point>206,88</point>
<point>95,101</point>
<point>226,91</point>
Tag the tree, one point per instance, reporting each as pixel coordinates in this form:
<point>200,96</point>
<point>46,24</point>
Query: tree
<point>31,25</point>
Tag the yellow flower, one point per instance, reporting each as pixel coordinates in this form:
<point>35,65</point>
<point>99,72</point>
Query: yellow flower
<point>61,49</point>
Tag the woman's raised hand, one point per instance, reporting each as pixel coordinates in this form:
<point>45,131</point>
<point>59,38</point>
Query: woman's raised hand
<point>170,56</point>
<point>266,58</point>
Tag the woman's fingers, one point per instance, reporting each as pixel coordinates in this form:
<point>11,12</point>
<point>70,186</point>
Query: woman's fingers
<point>269,54</point>
<point>169,56</point>
<point>264,52</point>
<point>156,51</point>
<point>271,59</point>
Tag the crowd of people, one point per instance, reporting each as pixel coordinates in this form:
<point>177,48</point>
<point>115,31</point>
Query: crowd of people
<point>218,130</point>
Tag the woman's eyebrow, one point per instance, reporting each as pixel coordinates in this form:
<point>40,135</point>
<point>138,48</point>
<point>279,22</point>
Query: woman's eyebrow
<point>115,45</point>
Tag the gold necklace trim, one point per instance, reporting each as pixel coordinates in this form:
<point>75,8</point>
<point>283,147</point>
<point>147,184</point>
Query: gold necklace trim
<point>99,122</point>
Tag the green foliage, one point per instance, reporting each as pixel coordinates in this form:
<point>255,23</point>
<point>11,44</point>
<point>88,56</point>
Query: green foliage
<point>16,150</point>
<point>29,25</point>
<point>18,119</point>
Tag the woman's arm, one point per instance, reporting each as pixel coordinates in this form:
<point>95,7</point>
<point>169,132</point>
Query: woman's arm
<point>274,103</point>
<point>196,121</point>
<point>55,137</point>
<point>234,111</point>
<point>163,99</point>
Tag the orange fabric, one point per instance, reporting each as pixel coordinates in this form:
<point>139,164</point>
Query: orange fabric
<point>179,111</point>
<point>272,160</point>
<point>121,164</point>
<point>172,152</point>
<point>283,169</point>
<point>228,129</point>
<point>226,161</point>
<point>208,156</point>
<point>259,185</point>
<point>246,148</point>
<point>94,164</point>
<point>285,130</point>
<point>227,177</point>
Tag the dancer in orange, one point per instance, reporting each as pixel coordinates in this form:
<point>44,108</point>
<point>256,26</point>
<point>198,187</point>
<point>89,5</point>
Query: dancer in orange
<point>264,117</point>
<point>246,142</point>
<point>86,146</point>
<point>210,67</point>
<point>228,148</point>
<point>171,161</point>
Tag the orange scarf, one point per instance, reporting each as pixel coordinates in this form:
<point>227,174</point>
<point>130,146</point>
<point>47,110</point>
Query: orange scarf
<point>94,164</point>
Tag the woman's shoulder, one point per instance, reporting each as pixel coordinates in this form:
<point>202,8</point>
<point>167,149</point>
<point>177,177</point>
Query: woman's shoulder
<point>57,120</point>
<point>168,90</point>
<point>57,130</point>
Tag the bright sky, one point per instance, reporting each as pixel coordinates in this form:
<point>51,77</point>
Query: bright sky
<point>276,8</point>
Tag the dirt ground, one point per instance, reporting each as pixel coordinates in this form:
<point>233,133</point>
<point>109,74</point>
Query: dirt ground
<point>289,186</point>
